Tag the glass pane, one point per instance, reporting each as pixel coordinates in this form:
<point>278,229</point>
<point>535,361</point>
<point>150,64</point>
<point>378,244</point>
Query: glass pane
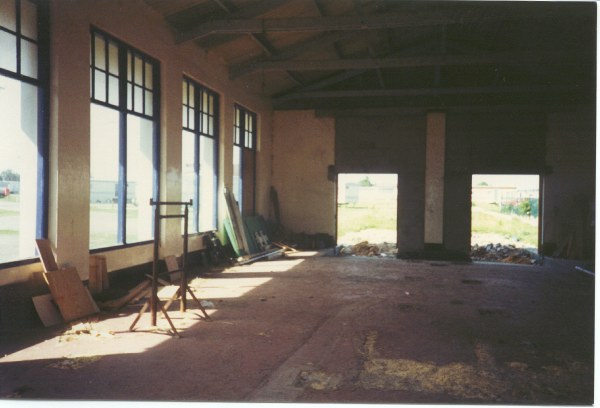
<point>207,184</point>
<point>237,174</point>
<point>191,100</point>
<point>113,59</point>
<point>148,102</point>
<point>211,105</point>
<point>184,97</point>
<point>29,59</point>
<point>99,52</point>
<point>210,126</point>
<point>188,176</point>
<point>18,169</point>
<point>129,70</point>
<point>129,96</point>
<point>99,85</point>
<point>29,19</point>
<point>140,176</point>
<point>8,14</point>
<point>113,90</point>
<point>148,72</point>
<point>205,123</point>
<point>184,119</point>
<point>8,51</point>
<point>138,103</point>
<point>192,124</point>
<point>137,74</point>
<point>104,176</point>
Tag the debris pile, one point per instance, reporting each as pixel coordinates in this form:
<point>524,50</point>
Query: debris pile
<point>502,253</point>
<point>364,248</point>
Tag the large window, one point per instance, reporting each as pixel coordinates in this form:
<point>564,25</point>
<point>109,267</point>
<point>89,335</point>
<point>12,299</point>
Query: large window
<point>199,154</point>
<point>244,159</point>
<point>23,127</point>
<point>124,142</point>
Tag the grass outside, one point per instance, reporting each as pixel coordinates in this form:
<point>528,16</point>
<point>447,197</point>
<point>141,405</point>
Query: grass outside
<point>491,221</point>
<point>354,218</point>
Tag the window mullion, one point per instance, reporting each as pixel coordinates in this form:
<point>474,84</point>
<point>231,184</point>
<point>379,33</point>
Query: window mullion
<point>196,203</point>
<point>122,182</point>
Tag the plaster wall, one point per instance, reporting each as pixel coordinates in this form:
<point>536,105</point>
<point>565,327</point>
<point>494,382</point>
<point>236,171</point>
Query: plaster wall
<point>134,23</point>
<point>303,148</point>
<point>569,186</point>
<point>389,144</point>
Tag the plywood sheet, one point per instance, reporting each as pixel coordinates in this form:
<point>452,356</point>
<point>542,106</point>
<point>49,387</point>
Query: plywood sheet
<point>73,299</point>
<point>47,310</point>
<point>46,255</point>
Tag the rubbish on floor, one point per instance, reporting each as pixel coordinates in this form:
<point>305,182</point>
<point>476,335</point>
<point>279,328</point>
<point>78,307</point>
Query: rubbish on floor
<point>74,363</point>
<point>365,248</point>
<point>207,304</point>
<point>502,253</point>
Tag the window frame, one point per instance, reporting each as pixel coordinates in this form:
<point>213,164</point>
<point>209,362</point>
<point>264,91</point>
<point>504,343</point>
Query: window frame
<point>240,139</point>
<point>197,130</point>
<point>124,52</point>
<point>42,84</point>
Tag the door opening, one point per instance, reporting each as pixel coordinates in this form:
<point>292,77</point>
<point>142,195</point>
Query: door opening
<point>505,218</point>
<point>367,214</point>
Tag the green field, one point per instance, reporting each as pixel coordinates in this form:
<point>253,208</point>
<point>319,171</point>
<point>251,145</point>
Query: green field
<point>487,219</point>
<point>359,217</point>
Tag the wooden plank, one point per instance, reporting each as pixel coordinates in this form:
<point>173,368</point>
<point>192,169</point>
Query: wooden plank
<point>47,310</point>
<point>46,255</point>
<point>73,299</point>
<point>236,222</point>
<point>173,268</point>
<point>133,294</point>
<point>95,277</point>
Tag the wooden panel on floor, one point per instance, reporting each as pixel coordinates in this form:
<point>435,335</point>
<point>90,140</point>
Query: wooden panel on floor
<point>47,310</point>
<point>73,299</point>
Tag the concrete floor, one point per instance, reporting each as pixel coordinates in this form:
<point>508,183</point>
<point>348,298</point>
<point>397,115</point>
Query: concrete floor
<point>325,329</point>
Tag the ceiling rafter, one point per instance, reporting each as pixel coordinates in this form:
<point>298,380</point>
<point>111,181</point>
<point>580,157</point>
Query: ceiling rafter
<point>426,92</point>
<point>260,39</point>
<point>508,58</point>
<point>331,23</point>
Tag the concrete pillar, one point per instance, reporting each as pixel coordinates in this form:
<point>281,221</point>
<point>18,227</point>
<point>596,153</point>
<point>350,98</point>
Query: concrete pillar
<point>435,151</point>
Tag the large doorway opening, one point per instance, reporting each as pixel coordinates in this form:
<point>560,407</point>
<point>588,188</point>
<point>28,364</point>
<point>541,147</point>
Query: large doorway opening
<point>505,218</point>
<point>367,214</point>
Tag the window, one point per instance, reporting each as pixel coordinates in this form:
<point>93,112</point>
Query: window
<point>124,143</point>
<point>244,159</point>
<point>23,128</point>
<point>200,149</point>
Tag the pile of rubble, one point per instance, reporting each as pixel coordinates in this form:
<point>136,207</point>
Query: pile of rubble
<point>502,253</point>
<point>364,248</point>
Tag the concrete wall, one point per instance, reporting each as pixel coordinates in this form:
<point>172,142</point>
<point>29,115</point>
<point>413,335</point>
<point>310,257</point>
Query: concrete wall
<point>303,148</point>
<point>569,187</point>
<point>389,144</point>
<point>558,146</point>
<point>134,23</point>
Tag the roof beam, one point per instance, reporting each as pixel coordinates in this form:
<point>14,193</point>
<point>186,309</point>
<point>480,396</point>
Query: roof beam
<point>320,41</point>
<point>425,92</point>
<point>506,58</point>
<point>235,25</point>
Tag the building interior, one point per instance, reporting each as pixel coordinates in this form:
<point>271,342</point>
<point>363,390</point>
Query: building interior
<point>110,107</point>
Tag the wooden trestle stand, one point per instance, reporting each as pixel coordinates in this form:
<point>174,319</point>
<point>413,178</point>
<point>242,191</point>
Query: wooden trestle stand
<point>153,302</point>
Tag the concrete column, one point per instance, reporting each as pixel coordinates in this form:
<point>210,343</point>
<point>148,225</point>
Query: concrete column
<point>435,150</point>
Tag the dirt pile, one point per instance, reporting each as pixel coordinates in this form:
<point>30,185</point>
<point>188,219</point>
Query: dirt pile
<point>364,248</point>
<point>501,253</point>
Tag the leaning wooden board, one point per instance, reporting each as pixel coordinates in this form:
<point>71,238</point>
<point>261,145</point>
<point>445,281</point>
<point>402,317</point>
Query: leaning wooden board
<point>236,222</point>
<point>72,298</point>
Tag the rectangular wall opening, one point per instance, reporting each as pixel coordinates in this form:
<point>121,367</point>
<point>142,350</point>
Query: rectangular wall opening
<point>367,214</point>
<point>505,218</point>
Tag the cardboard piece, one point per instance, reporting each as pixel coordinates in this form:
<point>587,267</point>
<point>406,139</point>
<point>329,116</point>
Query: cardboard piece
<point>47,310</point>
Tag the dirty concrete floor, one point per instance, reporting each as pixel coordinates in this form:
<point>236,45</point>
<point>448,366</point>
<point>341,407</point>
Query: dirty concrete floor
<point>326,329</point>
